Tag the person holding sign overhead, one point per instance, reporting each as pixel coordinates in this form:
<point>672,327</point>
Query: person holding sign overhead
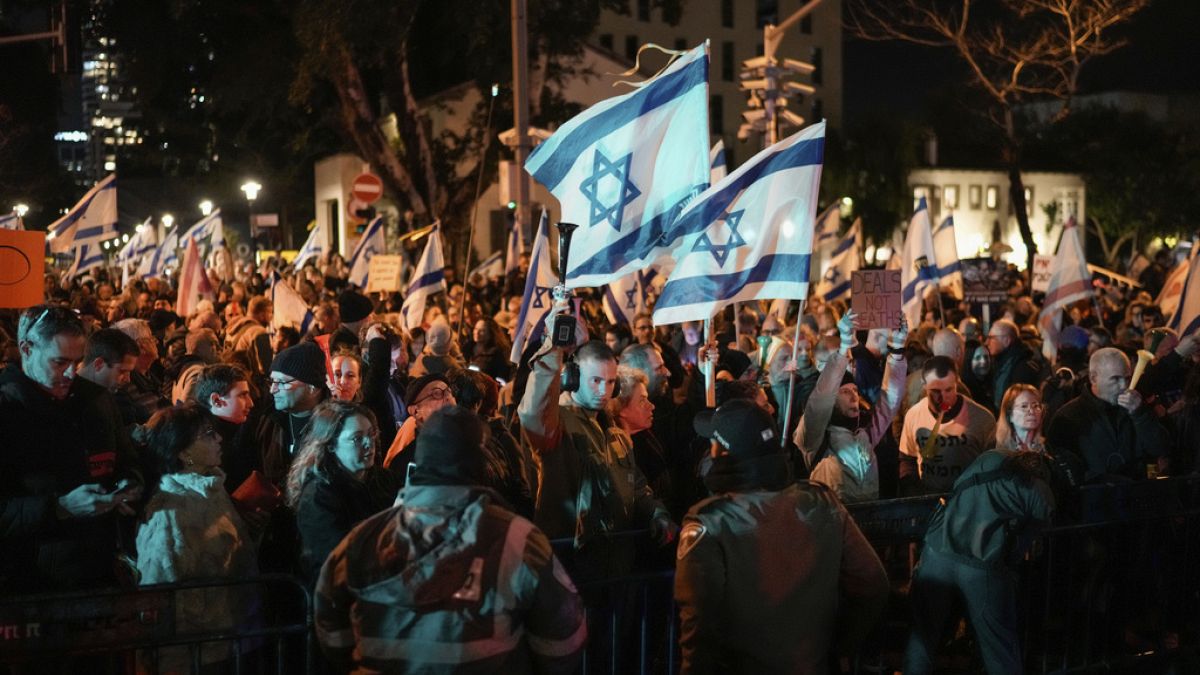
<point>837,440</point>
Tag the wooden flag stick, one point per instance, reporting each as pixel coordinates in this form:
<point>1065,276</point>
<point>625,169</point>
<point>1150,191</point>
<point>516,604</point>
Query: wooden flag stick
<point>787,413</point>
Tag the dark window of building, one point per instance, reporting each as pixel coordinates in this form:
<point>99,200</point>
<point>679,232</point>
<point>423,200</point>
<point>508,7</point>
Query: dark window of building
<point>631,47</point>
<point>727,13</point>
<point>623,7</point>
<point>643,10</point>
<point>716,115</point>
<point>606,41</point>
<point>727,61</point>
<point>816,60</point>
<point>672,13</point>
<point>766,12</point>
<point>806,24</point>
<point>818,111</point>
<point>681,43</point>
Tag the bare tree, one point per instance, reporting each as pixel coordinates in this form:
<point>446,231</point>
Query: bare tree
<point>1015,50</point>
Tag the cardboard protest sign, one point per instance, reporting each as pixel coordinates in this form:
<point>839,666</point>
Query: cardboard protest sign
<point>1042,272</point>
<point>985,280</point>
<point>384,273</point>
<point>875,297</point>
<point>22,256</point>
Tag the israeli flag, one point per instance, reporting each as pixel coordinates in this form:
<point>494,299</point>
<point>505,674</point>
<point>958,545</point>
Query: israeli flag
<point>717,166</point>
<point>625,168</point>
<point>313,247</point>
<point>825,239</point>
<point>143,241</point>
<point>754,233</point>
<point>918,264</point>
<point>165,255</point>
<point>87,256</point>
<point>428,278</point>
<point>1186,318</point>
<point>537,300</point>
<point>11,222</point>
<point>92,220</point>
<point>845,260</point>
<point>208,233</point>
<point>290,309</point>
<point>945,246</point>
<point>624,299</point>
<point>491,267</point>
<point>368,245</point>
<point>516,247</point>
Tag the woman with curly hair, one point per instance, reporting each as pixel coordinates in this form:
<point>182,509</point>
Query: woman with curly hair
<point>334,482</point>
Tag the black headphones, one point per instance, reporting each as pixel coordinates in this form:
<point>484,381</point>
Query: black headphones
<point>571,379</point>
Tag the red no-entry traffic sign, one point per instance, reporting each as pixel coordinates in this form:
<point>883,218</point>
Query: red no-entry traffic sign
<point>367,188</point>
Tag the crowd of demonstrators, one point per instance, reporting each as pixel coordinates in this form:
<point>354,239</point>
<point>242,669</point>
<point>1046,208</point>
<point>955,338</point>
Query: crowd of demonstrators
<point>228,442</point>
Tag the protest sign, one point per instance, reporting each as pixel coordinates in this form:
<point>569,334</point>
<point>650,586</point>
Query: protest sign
<point>384,273</point>
<point>875,297</point>
<point>1041,272</point>
<point>21,264</point>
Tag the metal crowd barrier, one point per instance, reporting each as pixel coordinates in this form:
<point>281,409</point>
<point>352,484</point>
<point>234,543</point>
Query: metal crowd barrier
<point>128,630</point>
<point>1114,591</point>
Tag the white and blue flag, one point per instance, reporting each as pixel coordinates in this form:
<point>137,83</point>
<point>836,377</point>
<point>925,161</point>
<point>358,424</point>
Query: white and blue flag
<point>537,299</point>
<point>945,247</point>
<point>625,298</point>
<point>825,239</point>
<point>208,233</point>
<point>718,167</point>
<point>625,168</point>
<point>428,279</point>
<point>290,308</point>
<point>92,220</point>
<point>313,247</point>
<point>754,233</point>
<point>918,265</point>
<point>164,255</point>
<point>87,256</point>
<point>516,247</point>
<point>845,259</point>
<point>143,241</point>
<point>491,267</point>
<point>1186,318</point>
<point>11,221</point>
<point>368,245</point>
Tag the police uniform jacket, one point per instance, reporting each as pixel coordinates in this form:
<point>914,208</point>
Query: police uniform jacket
<point>448,581</point>
<point>767,581</point>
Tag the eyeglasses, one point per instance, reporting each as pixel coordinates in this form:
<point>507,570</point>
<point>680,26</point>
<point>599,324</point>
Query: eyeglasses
<point>643,327</point>
<point>283,385</point>
<point>1029,407</point>
<point>437,395</point>
<point>210,432</point>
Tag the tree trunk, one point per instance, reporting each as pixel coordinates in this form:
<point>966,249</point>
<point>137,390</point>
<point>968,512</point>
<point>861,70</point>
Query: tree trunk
<point>1016,188</point>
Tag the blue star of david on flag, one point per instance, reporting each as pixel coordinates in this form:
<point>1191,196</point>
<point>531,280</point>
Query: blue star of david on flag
<point>833,274</point>
<point>720,252</point>
<point>629,302</point>
<point>539,292</point>
<point>609,172</point>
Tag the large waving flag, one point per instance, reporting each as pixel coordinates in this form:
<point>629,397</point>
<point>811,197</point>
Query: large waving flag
<point>428,278</point>
<point>1070,282</point>
<point>1172,290</point>
<point>918,264</point>
<point>491,267</point>
<point>290,309</point>
<point>1186,318</point>
<point>945,248</point>
<point>90,221</point>
<point>846,258</point>
<point>143,241</point>
<point>164,255</point>
<point>515,248</point>
<point>624,299</point>
<point>87,256</point>
<point>538,283</point>
<point>11,221</point>
<point>754,233</point>
<point>368,245</point>
<point>313,247</point>
<point>624,168</point>
<point>193,282</point>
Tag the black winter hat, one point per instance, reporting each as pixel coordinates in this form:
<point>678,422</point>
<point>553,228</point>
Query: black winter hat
<point>742,427</point>
<point>305,362</point>
<point>450,449</point>
<point>354,306</point>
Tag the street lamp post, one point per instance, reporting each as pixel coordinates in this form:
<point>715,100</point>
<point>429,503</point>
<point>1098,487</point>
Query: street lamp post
<point>206,208</point>
<point>21,209</point>
<point>252,188</point>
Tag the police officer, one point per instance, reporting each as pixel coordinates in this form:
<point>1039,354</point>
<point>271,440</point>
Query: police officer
<point>771,573</point>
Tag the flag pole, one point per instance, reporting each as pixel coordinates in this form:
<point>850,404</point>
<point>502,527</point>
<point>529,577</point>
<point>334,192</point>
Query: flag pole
<point>787,413</point>
<point>710,384</point>
<point>487,144</point>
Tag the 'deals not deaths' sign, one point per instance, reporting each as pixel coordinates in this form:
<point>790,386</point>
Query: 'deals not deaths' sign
<point>384,272</point>
<point>875,297</point>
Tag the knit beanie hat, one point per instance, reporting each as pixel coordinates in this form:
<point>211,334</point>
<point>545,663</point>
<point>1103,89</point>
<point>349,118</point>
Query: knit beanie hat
<point>450,449</point>
<point>413,390</point>
<point>438,337</point>
<point>354,306</point>
<point>305,362</point>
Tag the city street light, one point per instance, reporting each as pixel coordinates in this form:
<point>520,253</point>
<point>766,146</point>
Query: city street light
<point>167,220</point>
<point>251,188</point>
<point>206,208</point>
<point>21,210</point>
